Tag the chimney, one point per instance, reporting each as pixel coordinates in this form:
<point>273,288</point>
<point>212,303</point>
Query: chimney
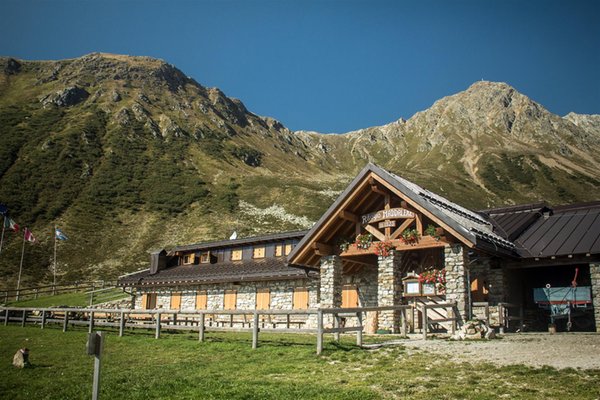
<point>158,261</point>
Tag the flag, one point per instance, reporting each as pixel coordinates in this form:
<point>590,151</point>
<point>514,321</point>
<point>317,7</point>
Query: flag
<point>27,235</point>
<point>9,223</point>
<point>60,235</point>
<point>3,209</point>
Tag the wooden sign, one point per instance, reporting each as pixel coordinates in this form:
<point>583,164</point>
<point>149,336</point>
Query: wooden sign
<point>382,215</point>
<point>386,224</point>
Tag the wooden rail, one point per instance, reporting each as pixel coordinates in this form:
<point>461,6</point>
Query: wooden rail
<point>67,287</point>
<point>450,309</point>
<point>505,316</point>
<point>200,320</point>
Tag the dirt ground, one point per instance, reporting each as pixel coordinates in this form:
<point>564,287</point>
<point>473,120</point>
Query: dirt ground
<point>561,350</point>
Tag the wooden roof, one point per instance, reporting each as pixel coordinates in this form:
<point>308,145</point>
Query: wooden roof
<point>368,191</point>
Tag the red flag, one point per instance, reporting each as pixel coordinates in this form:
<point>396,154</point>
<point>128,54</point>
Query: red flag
<point>27,235</point>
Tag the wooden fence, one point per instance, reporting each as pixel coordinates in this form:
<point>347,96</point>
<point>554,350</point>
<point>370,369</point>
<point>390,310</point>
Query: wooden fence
<point>254,321</point>
<point>65,287</point>
<point>507,313</point>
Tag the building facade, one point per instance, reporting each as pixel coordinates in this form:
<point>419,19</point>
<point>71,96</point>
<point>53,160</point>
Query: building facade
<point>387,241</point>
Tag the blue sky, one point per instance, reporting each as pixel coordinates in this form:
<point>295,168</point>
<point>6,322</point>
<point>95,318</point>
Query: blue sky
<point>334,66</point>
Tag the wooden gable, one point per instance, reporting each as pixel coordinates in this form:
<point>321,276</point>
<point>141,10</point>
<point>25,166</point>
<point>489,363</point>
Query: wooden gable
<point>373,205</point>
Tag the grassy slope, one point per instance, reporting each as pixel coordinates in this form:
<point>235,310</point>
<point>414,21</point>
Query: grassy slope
<point>75,299</point>
<point>284,367</point>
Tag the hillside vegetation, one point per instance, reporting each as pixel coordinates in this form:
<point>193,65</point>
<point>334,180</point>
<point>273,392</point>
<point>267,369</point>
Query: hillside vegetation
<point>127,154</point>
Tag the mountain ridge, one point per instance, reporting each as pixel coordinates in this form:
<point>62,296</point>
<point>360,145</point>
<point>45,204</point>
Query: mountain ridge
<point>128,154</point>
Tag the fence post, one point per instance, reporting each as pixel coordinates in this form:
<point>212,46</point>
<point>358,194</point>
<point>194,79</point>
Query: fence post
<point>91,326</point>
<point>36,293</point>
<point>521,316</point>
<point>360,332</point>
<point>319,332</point>
<point>24,318</point>
<point>501,317</point>
<point>65,321</point>
<point>425,322</point>
<point>157,333</point>
<point>201,328</point>
<point>122,324</point>
<point>453,316</point>
<point>403,325</point>
<point>336,325</point>
<point>255,330</point>
<point>5,317</point>
<point>43,318</point>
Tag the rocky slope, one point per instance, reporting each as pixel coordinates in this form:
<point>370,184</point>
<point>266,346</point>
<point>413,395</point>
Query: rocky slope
<point>128,154</point>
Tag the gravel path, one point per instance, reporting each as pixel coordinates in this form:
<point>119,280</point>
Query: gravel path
<point>562,350</point>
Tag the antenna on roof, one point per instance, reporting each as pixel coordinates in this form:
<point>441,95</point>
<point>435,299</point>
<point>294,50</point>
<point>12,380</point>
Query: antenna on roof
<point>233,236</point>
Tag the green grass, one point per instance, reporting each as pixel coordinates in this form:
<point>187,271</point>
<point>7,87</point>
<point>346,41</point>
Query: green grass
<point>74,299</point>
<point>177,366</point>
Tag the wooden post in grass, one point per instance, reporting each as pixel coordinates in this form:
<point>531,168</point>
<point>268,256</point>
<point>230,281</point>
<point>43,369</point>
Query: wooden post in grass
<point>94,347</point>
<point>319,332</point>
<point>5,317</point>
<point>43,318</point>
<point>121,324</point>
<point>255,330</point>
<point>201,328</point>
<point>65,321</point>
<point>91,325</point>
<point>24,318</point>
<point>157,333</point>
<point>403,326</point>
<point>336,325</point>
<point>425,322</point>
<point>359,337</point>
<point>453,316</point>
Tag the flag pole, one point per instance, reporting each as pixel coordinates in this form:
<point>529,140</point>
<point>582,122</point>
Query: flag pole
<point>21,265</point>
<point>54,282</point>
<point>2,237</point>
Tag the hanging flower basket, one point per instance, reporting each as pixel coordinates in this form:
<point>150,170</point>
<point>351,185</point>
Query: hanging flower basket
<point>434,277</point>
<point>410,236</point>
<point>383,249</point>
<point>363,241</point>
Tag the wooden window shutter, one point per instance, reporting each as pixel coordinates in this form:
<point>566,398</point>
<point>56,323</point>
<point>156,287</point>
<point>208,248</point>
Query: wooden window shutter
<point>149,301</point>
<point>278,250</point>
<point>300,300</point>
<point>175,301</point>
<point>230,301</point>
<point>258,252</point>
<point>236,255</point>
<point>144,301</point>
<point>201,300</point>
<point>349,296</point>
<point>263,299</point>
<point>288,249</point>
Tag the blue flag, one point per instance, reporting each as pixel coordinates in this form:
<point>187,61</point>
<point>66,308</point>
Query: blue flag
<point>60,235</point>
<point>3,209</point>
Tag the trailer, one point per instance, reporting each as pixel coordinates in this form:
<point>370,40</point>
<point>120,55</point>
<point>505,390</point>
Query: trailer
<point>572,304</point>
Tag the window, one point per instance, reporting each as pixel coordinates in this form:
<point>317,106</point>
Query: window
<point>349,296</point>
<point>236,255</point>
<point>230,300</point>
<point>263,299</point>
<point>205,258</point>
<point>288,249</point>
<point>300,300</point>
<point>278,250</point>
<point>189,259</point>
<point>258,252</point>
<point>149,301</point>
<point>201,300</point>
<point>175,301</point>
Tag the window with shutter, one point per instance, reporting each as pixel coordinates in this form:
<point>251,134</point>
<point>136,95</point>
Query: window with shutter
<point>175,301</point>
<point>300,300</point>
<point>188,259</point>
<point>278,250</point>
<point>149,301</point>
<point>288,249</point>
<point>201,300</point>
<point>258,252</point>
<point>230,300</point>
<point>263,299</point>
<point>205,258</point>
<point>236,255</point>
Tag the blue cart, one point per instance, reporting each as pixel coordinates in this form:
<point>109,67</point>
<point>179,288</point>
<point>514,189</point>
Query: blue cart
<point>573,304</point>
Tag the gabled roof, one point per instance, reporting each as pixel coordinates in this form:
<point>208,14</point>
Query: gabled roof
<point>255,270</point>
<point>470,227</point>
<point>510,222</point>
<point>240,242</point>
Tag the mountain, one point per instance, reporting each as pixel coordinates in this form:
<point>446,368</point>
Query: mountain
<point>128,154</point>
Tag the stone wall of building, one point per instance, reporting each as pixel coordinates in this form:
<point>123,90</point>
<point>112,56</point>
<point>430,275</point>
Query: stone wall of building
<point>389,292</point>
<point>595,281</point>
<point>490,273</point>
<point>456,278</point>
<point>281,296</point>
<point>330,290</point>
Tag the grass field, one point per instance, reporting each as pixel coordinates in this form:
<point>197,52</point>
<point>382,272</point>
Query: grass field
<point>177,366</point>
<point>73,299</point>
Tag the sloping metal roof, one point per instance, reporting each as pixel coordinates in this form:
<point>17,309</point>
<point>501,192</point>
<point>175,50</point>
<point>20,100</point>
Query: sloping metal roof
<point>241,242</point>
<point>511,222</point>
<point>255,270</point>
<point>566,230</point>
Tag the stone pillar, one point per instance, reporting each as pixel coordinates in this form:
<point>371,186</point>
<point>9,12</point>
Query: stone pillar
<point>456,278</point>
<point>330,289</point>
<point>595,280</point>
<point>389,290</point>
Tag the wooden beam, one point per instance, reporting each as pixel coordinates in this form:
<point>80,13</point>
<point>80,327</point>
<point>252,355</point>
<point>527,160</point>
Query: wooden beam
<point>419,223</point>
<point>375,232</point>
<point>348,216</point>
<point>322,249</point>
<point>375,188</point>
<point>401,228</point>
